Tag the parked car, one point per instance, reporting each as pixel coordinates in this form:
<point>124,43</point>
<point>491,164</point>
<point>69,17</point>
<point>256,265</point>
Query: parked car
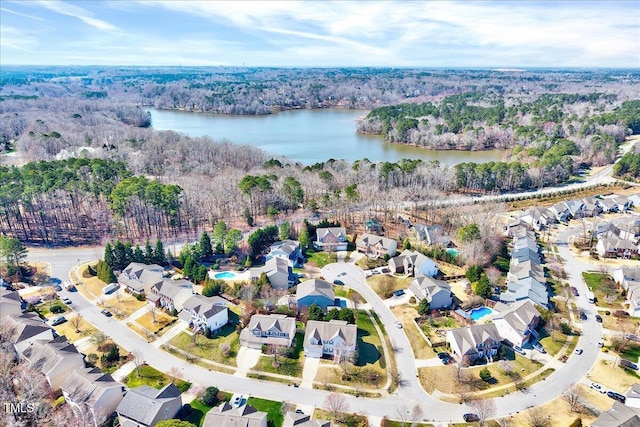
<point>470,418</point>
<point>446,360</point>
<point>66,300</point>
<point>398,324</point>
<point>518,349</point>
<point>628,364</point>
<point>399,292</point>
<point>597,387</point>
<point>539,347</point>
<point>583,315</point>
<point>579,351</point>
<point>299,411</point>
<point>600,344</point>
<point>58,320</point>
<point>106,312</point>
<point>574,291</point>
<point>338,282</point>
<point>617,396</point>
<point>598,318</point>
<point>443,355</point>
<point>386,270</point>
<point>57,288</point>
<point>632,337</point>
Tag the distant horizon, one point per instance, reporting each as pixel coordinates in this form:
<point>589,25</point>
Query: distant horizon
<point>327,34</point>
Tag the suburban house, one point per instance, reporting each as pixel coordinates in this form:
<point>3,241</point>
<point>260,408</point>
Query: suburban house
<point>627,277</point>
<point>335,338</point>
<point>620,248</point>
<point>373,226</point>
<point>292,419</point>
<point>315,291</point>
<point>171,294</point>
<point>608,205</point>
<point>376,246</point>
<point>331,239</point>
<point>286,249</point>
<point>539,218</point>
<point>624,204</point>
<point>276,329</point>
<point>517,323</point>
<point>55,359</point>
<point>90,389</point>
<point>618,416</point>
<point>561,212</point>
<point>437,292</point>
<point>278,271</point>
<point>10,302</point>
<point>25,329</point>
<point>227,415</point>
<point>138,278</point>
<point>145,406</point>
<point>606,230</point>
<point>473,342</point>
<point>413,263</point>
<point>432,234</point>
<point>591,207</point>
<point>200,312</point>
<point>576,208</point>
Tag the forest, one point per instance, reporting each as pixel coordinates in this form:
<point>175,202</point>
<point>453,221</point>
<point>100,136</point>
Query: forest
<point>82,163</point>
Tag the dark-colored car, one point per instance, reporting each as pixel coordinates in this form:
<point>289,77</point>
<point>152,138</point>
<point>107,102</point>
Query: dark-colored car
<point>443,355</point>
<point>574,291</point>
<point>446,361</point>
<point>58,320</point>
<point>338,282</point>
<point>628,364</point>
<point>583,315</point>
<point>399,292</point>
<point>598,318</point>
<point>106,313</point>
<point>470,418</point>
<point>617,396</point>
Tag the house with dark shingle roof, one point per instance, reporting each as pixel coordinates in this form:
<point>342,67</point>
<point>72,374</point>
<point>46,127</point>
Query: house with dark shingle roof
<point>26,328</point>
<point>93,390</point>
<point>315,291</point>
<point>171,293</point>
<point>331,239</point>
<point>145,406</point>
<point>334,338</point>
<point>473,342</point>
<point>225,415</point>
<point>55,359</point>
<point>138,278</point>
<point>199,312</point>
<point>437,292</point>
<point>278,271</point>
<point>375,246</point>
<point>10,302</point>
<point>618,416</point>
<point>276,329</point>
<point>413,263</point>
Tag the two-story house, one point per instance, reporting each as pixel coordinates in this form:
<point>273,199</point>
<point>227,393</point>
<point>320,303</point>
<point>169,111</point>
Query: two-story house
<point>91,389</point>
<point>10,302</point>
<point>612,248</point>
<point>473,342</point>
<point>331,239</point>
<point>138,278</point>
<point>276,329</point>
<point>376,246</point>
<point>517,323</point>
<point>413,263</point>
<point>278,271</point>
<point>171,294</point>
<point>145,406</point>
<point>24,329</point>
<point>335,339</point>
<point>200,312</point>
<point>226,415</point>
<point>432,234</point>
<point>286,249</point>
<point>437,292</point>
<point>315,291</point>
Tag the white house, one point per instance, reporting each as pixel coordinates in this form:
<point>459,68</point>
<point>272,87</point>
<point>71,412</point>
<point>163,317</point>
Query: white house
<point>202,312</point>
<point>413,263</point>
<point>171,293</point>
<point>278,271</point>
<point>335,338</point>
<point>517,323</point>
<point>91,389</point>
<point>276,329</point>
<point>437,292</point>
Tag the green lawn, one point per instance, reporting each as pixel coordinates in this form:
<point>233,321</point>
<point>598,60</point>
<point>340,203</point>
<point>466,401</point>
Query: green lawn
<point>383,283</point>
<point>602,286</point>
<point>291,366</point>
<point>371,353</point>
<point>198,411</point>
<point>632,352</point>
<point>44,309</point>
<point>154,378</point>
<point>271,407</point>
<point>210,348</point>
<point>320,259</point>
<point>550,345</point>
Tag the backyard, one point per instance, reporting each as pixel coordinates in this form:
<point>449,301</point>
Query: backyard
<point>154,378</point>
<point>211,349</point>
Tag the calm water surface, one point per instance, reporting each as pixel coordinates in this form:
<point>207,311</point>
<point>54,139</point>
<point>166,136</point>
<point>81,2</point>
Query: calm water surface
<point>307,136</point>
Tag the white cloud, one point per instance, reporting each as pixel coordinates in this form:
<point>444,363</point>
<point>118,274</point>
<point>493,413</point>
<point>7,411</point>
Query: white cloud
<point>4,9</point>
<point>79,13</point>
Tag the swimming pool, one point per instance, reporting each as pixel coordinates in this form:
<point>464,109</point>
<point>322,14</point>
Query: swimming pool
<point>478,313</point>
<point>452,252</point>
<point>225,275</point>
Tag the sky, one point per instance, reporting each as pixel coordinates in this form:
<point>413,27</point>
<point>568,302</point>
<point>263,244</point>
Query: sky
<point>344,33</point>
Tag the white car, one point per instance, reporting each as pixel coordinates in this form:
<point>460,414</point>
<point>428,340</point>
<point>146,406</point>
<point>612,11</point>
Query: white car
<point>597,387</point>
<point>600,344</point>
<point>66,300</point>
<point>398,324</point>
<point>579,351</point>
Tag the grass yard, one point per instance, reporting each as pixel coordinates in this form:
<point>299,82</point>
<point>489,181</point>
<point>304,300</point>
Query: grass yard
<point>90,286</point>
<point>603,288</point>
<point>611,376</point>
<point>553,343</point>
<point>561,415</point>
<point>320,259</point>
<point>44,309</point>
<point>98,351</point>
<point>288,366</point>
<point>126,306</point>
<point>384,284</point>
<point>162,323</point>
<point>632,352</point>
<point>406,314</point>
<point>210,348</point>
<point>154,378</point>
<point>135,327</point>
<point>271,407</point>
<point>85,329</point>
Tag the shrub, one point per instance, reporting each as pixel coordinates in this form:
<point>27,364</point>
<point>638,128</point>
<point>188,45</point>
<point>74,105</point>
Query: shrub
<point>216,266</point>
<point>485,374</point>
<point>412,300</point>
<point>92,358</point>
<point>576,423</point>
<point>210,397</point>
<point>140,297</point>
<point>56,309</point>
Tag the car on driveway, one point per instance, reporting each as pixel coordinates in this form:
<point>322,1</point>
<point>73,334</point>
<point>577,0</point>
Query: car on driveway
<point>299,411</point>
<point>446,360</point>
<point>628,364</point>
<point>518,349</point>
<point>443,355</point>
<point>57,288</point>
<point>106,312</point>
<point>58,320</point>
<point>574,291</point>
<point>579,351</point>
<point>600,344</point>
<point>398,324</point>
<point>598,318</point>
<point>66,300</point>
<point>399,292</point>
<point>617,396</point>
<point>539,347</point>
<point>597,387</point>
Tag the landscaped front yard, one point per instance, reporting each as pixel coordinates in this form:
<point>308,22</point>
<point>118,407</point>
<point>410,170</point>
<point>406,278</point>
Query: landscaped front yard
<point>162,321</point>
<point>67,328</point>
<point>45,308</point>
<point>291,366</point>
<point>320,259</point>
<point>90,286</point>
<point>154,378</point>
<point>211,349</point>
<point>123,304</point>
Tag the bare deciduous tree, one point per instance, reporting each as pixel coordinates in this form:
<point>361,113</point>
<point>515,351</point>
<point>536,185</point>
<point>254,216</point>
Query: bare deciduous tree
<point>137,357</point>
<point>336,404</point>
<point>402,412</point>
<point>75,322</point>
<point>485,409</point>
<point>573,397</point>
<point>416,414</point>
<point>538,417</point>
<point>174,374</point>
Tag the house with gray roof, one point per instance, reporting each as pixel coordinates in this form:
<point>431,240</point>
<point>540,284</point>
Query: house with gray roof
<point>145,406</point>
<point>538,218</point>
<point>618,416</point>
<point>91,389</point>
<point>200,312</point>
<point>25,329</point>
<point>525,279</point>
<point>432,234</point>
<point>138,278</point>
<point>276,329</point>
<point>331,239</point>
<point>10,302</point>
<point>413,263</point>
<point>226,415</point>
<point>375,246</point>
<point>473,342</point>
<point>171,294</point>
<point>335,338</point>
<point>278,271</point>
<point>517,323</point>
<point>292,419</point>
<point>315,291</point>
<point>633,396</point>
<point>437,292</point>
<point>287,249</point>
<point>55,359</point>
<point>614,247</point>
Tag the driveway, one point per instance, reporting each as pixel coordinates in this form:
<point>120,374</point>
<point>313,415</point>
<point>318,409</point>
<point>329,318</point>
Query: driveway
<point>246,359</point>
<point>309,371</point>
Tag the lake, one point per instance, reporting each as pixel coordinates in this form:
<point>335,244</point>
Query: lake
<point>307,136</point>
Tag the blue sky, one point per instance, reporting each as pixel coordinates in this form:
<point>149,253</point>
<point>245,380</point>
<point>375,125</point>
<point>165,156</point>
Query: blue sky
<point>305,33</point>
